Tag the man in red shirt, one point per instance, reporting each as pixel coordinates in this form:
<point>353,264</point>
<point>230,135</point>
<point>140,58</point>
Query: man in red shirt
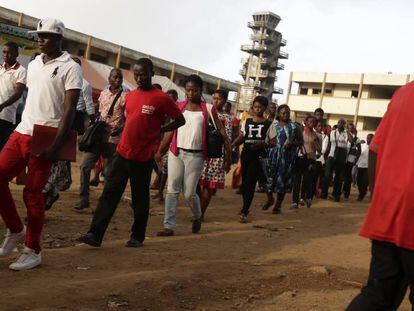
<point>146,109</point>
<point>389,221</point>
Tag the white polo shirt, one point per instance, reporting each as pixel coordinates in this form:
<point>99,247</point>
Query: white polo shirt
<point>8,80</point>
<point>47,83</point>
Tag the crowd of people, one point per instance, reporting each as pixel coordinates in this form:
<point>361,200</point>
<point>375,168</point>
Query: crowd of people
<point>191,146</point>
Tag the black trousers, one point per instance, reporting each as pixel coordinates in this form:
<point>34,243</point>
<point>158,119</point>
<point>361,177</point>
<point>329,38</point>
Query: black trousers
<point>318,176</point>
<point>331,168</point>
<point>252,172</point>
<point>391,272</point>
<point>120,171</point>
<point>6,129</point>
<point>362,182</point>
<point>303,179</point>
<point>346,189</point>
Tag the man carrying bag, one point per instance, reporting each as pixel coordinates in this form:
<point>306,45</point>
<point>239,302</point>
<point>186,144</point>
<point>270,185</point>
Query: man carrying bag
<point>102,137</point>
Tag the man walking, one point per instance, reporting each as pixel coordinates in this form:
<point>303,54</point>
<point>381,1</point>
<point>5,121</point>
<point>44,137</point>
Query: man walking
<point>389,221</point>
<point>114,96</point>
<point>336,161</point>
<point>54,81</point>
<point>146,109</point>
<point>12,85</point>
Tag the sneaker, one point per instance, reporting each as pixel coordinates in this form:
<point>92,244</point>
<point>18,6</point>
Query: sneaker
<point>308,203</point>
<point>11,241</point>
<point>302,202</point>
<point>27,260</point>
<point>81,205</point>
<point>90,239</point>
<point>294,206</point>
<point>196,226</point>
<point>243,218</point>
<point>133,243</point>
<point>166,232</point>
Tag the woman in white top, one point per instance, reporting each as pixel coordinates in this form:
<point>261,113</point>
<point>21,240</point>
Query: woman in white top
<point>188,150</point>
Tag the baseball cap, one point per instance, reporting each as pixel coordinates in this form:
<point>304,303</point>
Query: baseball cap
<point>49,25</point>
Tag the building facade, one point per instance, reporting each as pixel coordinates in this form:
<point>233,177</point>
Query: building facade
<point>358,98</point>
<point>14,26</point>
<point>260,67</point>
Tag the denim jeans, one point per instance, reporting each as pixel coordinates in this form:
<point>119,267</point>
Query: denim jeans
<point>184,171</point>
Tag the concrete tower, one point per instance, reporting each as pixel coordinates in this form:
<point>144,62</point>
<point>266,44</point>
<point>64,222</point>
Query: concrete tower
<point>259,69</point>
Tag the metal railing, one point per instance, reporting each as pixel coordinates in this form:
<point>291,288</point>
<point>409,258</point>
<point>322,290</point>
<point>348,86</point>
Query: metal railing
<point>278,90</point>
<point>283,42</point>
<point>283,55</point>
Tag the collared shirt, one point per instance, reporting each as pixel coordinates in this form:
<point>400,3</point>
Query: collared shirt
<point>116,122</point>
<point>338,139</point>
<point>8,80</point>
<point>363,158</point>
<point>47,83</point>
<point>85,102</point>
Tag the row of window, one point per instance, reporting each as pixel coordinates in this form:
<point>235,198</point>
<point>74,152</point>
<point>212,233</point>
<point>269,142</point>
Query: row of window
<point>316,91</point>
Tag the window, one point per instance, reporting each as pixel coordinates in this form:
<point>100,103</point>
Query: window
<point>316,91</point>
<point>303,91</point>
<point>98,58</point>
<point>124,65</point>
<point>328,91</point>
<point>371,124</point>
<point>354,93</point>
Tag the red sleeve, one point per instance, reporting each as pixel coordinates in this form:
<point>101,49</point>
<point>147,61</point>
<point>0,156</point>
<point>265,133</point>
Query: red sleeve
<point>170,107</point>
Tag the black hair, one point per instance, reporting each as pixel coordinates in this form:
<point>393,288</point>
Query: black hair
<point>196,80</point>
<point>284,106</point>
<point>157,86</point>
<point>224,94</point>
<point>261,100</point>
<point>146,63</point>
<point>77,60</point>
<point>172,92</point>
<point>13,46</point>
<point>319,110</point>
<point>117,70</point>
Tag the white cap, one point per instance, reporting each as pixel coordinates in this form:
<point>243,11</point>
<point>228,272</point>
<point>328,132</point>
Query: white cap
<point>50,25</point>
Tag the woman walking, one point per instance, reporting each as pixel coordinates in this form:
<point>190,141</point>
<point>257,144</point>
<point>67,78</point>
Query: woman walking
<point>285,137</point>
<point>253,135</point>
<point>188,150</point>
<point>305,168</point>
<point>214,171</point>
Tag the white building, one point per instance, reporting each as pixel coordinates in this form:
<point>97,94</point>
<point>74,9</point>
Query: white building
<point>358,98</point>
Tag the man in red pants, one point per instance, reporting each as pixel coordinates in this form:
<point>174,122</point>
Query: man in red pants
<point>54,81</point>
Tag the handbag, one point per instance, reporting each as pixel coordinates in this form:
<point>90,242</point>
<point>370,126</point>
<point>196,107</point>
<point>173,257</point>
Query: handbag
<point>215,140</point>
<point>91,140</point>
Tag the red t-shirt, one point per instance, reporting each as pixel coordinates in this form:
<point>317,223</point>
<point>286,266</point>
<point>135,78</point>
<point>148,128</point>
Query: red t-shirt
<point>390,217</point>
<point>145,114</point>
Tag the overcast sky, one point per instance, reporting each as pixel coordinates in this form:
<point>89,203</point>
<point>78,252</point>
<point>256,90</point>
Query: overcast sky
<point>323,35</point>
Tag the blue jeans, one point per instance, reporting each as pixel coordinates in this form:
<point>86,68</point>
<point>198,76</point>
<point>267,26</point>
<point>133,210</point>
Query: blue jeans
<point>184,171</point>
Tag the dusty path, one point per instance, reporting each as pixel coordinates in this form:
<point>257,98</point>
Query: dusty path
<point>311,259</point>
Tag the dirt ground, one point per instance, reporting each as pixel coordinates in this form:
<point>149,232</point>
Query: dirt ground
<point>310,259</point>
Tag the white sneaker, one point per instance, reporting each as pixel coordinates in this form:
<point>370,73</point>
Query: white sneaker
<point>27,260</point>
<point>11,241</point>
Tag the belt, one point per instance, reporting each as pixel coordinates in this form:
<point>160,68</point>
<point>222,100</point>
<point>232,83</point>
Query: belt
<point>190,150</point>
